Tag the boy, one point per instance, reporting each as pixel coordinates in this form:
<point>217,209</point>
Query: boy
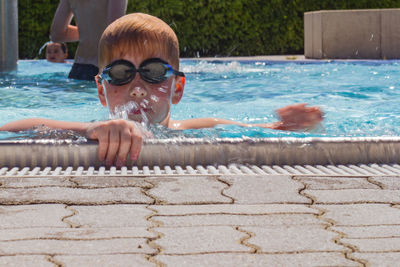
<point>56,52</point>
<point>139,63</point>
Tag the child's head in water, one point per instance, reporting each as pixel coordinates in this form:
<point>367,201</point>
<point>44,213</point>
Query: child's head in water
<point>146,45</point>
<point>56,52</point>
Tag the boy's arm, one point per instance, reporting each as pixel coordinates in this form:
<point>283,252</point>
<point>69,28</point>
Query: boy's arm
<point>118,139</point>
<point>61,30</point>
<point>211,122</point>
<point>293,118</point>
<point>27,124</point>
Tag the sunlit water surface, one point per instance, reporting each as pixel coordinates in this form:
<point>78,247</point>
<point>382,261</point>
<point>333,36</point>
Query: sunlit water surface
<point>358,98</point>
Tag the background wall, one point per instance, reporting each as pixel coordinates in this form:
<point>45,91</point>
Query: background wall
<point>206,27</point>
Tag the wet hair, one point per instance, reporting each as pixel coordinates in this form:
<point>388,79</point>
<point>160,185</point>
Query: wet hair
<point>64,47</point>
<point>138,32</point>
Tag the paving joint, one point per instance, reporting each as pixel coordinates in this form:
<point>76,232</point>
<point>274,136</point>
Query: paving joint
<point>145,191</point>
<point>50,258</point>
<point>395,206</point>
<point>75,184</point>
<point>151,240</point>
<point>243,241</point>
<point>228,185</point>
<point>328,224</point>
<point>378,184</point>
<point>68,222</point>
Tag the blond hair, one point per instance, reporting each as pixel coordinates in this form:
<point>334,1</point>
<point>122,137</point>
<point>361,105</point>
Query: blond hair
<point>138,32</point>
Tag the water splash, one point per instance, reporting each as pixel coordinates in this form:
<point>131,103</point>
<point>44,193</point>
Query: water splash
<point>43,47</point>
<point>122,111</point>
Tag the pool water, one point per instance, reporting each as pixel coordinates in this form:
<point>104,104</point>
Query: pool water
<point>358,98</point>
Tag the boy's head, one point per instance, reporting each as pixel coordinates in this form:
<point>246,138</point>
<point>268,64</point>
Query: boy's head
<point>141,34</point>
<point>138,68</point>
<point>56,52</point>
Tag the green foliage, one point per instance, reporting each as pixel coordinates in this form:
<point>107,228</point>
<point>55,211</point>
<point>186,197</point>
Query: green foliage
<point>34,20</point>
<point>206,27</point>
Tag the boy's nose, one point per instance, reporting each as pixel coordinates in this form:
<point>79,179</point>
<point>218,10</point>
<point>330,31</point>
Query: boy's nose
<point>137,92</point>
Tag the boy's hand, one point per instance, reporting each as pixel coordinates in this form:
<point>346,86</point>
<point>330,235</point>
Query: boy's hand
<point>298,117</point>
<point>117,139</point>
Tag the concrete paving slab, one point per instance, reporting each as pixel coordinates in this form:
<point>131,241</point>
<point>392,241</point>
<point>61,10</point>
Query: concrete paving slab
<point>190,240</point>
<point>81,247</point>
<point>355,196</point>
<point>361,214</point>
<point>390,183</point>
<point>188,190</point>
<point>293,239</point>
<point>237,220</point>
<point>372,231</point>
<point>374,244</point>
<point>74,233</point>
<point>110,181</point>
<point>336,183</point>
<point>31,216</point>
<point>71,196</point>
<point>264,189</point>
<point>111,216</point>
<point>387,259</point>
<point>25,260</point>
<point>26,182</point>
<point>233,209</point>
<point>228,260</point>
<point>105,260</point>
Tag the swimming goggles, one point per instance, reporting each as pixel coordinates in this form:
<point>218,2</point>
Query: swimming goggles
<point>153,70</point>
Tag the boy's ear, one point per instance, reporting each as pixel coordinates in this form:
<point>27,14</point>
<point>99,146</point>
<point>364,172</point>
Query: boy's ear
<point>100,91</point>
<point>179,87</point>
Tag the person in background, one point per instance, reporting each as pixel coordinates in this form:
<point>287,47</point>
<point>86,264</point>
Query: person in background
<point>56,52</point>
<point>139,71</point>
<point>91,17</point>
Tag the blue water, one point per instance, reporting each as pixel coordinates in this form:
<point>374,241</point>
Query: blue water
<point>358,98</point>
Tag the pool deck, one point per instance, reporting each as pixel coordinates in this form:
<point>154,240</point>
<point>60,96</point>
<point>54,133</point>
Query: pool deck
<point>286,58</point>
<point>200,220</point>
<point>293,58</point>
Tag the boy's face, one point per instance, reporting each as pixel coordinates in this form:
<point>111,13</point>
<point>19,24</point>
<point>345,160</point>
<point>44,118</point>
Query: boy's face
<point>54,53</point>
<point>140,100</point>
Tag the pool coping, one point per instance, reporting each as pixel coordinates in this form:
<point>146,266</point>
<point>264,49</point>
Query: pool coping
<point>301,59</point>
<point>197,151</point>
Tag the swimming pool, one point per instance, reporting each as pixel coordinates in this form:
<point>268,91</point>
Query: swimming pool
<point>358,98</point>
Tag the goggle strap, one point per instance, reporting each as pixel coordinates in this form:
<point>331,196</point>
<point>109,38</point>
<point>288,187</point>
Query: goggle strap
<point>178,73</point>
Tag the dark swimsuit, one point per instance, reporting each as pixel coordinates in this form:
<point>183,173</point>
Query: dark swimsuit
<point>83,72</point>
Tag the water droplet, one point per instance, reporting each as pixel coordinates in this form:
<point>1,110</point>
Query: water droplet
<point>163,89</point>
<point>154,98</point>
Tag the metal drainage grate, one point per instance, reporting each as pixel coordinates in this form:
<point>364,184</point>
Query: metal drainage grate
<point>298,170</point>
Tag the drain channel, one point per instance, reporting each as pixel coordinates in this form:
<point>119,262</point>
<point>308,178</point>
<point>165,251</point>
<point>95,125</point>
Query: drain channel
<point>233,169</point>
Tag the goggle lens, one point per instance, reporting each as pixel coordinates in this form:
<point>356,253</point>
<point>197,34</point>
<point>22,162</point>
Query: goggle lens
<point>153,70</point>
<point>120,72</point>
